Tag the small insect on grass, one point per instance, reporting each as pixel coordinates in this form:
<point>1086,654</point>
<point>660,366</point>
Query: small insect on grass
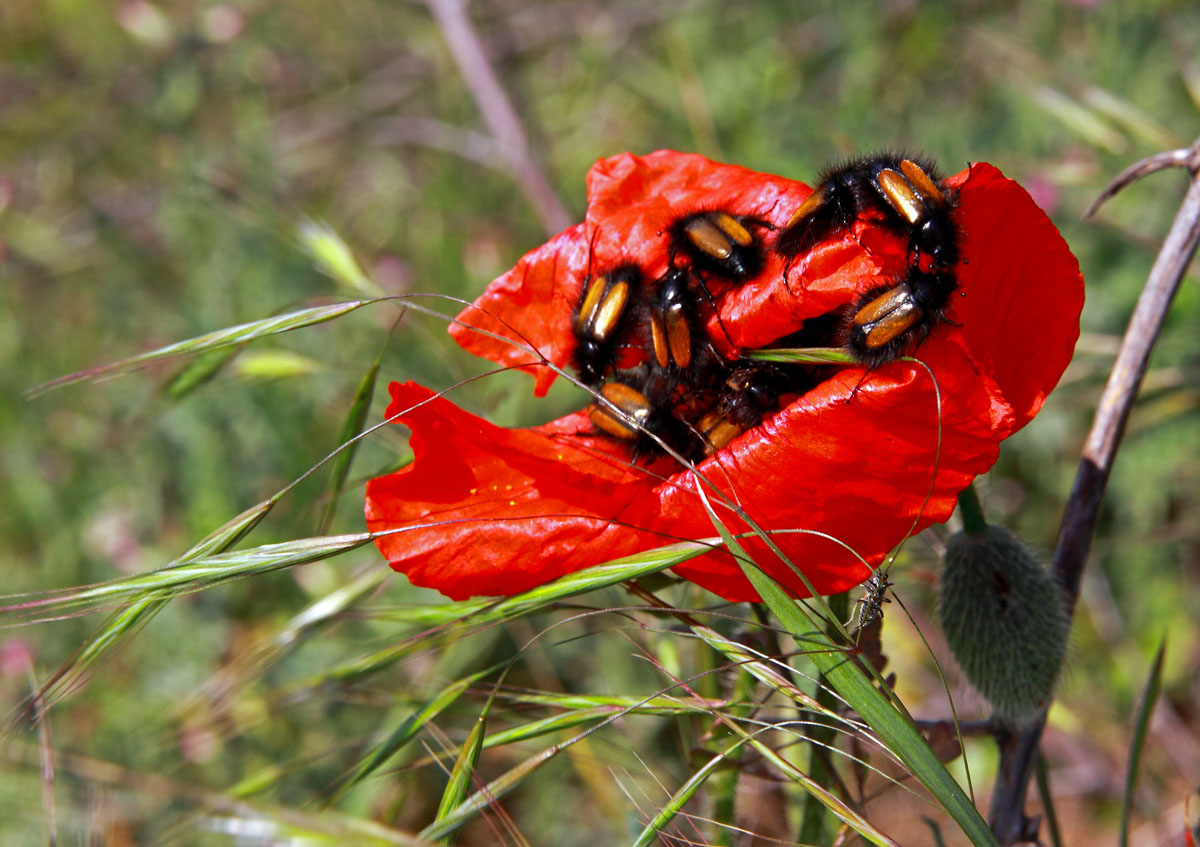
<point>869,607</point>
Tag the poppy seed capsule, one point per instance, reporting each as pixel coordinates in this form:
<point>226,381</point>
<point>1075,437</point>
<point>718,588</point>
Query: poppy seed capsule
<point>1003,617</point>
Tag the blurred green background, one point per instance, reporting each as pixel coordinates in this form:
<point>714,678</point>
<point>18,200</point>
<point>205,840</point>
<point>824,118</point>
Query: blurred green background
<point>157,164</point>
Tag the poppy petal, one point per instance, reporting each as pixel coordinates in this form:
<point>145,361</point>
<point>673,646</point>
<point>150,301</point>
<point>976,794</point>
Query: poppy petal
<point>839,475</point>
<point>854,462</point>
<point>533,306</point>
<point>1022,289</point>
<point>484,510</point>
<point>632,203</point>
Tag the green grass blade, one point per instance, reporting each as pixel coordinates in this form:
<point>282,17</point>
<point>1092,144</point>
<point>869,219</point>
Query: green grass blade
<point>198,573</point>
<point>1136,122</point>
<point>228,534</point>
<point>360,406</point>
<point>122,622</point>
<point>473,614</point>
<point>567,720</point>
<point>121,625</point>
<point>130,620</point>
<point>199,372</point>
<point>261,780</point>
<point>1083,121</point>
<point>251,666</point>
<point>493,791</point>
<point>812,816</point>
<point>850,817</point>
<point>451,819</point>
<point>263,365</point>
<point>227,337</point>
<point>206,571</point>
<point>662,704</point>
<point>1141,726</point>
<point>808,355</point>
<point>758,667</point>
<point>800,625</point>
<point>465,766</point>
<point>685,793</point>
<point>333,256</point>
<point>659,706</point>
<point>405,732</point>
<point>1047,798</point>
<point>893,727</point>
<point>723,794</point>
<point>322,610</point>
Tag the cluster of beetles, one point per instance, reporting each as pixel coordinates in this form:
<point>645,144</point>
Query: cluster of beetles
<point>686,399</point>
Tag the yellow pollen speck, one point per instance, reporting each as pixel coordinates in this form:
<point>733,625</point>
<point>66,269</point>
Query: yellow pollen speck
<point>508,488</point>
<point>512,502</point>
<point>473,490</point>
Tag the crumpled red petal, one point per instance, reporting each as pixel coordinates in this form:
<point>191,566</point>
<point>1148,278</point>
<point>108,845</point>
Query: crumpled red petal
<point>489,510</point>
<point>632,202</point>
<point>839,476</point>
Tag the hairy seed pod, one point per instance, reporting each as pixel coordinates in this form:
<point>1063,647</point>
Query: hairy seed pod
<point>1002,613</point>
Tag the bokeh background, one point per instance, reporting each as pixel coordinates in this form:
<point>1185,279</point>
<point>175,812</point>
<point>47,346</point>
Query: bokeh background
<point>158,165</point>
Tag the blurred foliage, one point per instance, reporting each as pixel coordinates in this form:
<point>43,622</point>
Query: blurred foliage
<point>158,167</point>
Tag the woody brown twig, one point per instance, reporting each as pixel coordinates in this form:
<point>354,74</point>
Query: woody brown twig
<point>498,113</point>
<point>1018,748</point>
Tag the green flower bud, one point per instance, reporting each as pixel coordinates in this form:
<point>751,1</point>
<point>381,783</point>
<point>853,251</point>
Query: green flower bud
<point>1002,613</point>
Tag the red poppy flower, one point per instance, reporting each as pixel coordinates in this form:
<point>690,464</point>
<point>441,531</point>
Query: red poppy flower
<point>841,473</point>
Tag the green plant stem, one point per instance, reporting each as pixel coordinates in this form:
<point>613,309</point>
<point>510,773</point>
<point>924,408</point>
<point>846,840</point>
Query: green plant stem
<point>821,735</point>
<point>971,511</point>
